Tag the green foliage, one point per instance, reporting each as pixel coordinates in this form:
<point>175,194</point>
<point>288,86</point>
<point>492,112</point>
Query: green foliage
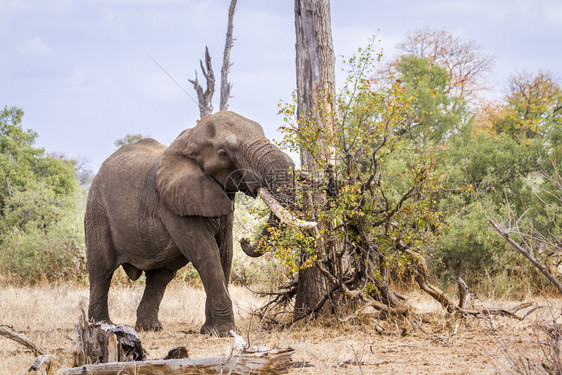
<point>22,163</point>
<point>250,217</point>
<point>406,129</point>
<point>493,175</point>
<point>46,238</point>
<point>41,234</point>
<point>372,189</point>
<point>532,109</point>
<point>436,115</point>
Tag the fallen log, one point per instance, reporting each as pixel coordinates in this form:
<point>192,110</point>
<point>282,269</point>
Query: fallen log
<point>106,349</point>
<point>272,361</point>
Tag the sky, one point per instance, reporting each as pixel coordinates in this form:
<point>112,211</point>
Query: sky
<point>83,70</point>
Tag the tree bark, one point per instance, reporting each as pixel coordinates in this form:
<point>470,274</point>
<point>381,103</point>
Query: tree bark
<point>315,67</point>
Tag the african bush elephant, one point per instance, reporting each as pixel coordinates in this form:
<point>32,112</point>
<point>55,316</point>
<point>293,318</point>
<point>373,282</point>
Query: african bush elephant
<point>153,208</point>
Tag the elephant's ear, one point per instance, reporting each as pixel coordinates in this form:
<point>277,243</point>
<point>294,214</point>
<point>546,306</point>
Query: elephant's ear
<point>186,190</point>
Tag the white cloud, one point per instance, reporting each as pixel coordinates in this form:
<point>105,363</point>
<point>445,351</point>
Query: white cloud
<point>36,46</point>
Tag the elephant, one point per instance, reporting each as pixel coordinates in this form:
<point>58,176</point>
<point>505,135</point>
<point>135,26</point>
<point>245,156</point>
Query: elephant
<point>154,209</point>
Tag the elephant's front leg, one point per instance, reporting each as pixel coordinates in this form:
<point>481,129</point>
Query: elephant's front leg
<point>196,238</point>
<point>219,317</point>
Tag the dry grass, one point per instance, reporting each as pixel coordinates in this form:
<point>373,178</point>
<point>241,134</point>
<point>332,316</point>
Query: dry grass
<point>46,314</point>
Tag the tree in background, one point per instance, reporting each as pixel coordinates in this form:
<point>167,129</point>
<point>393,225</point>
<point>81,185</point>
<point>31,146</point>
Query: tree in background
<point>493,167</point>
<point>533,109</point>
<point>541,246</point>
<point>434,118</point>
<point>40,227</point>
<point>490,152</point>
<point>463,60</point>
<point>23,165</point>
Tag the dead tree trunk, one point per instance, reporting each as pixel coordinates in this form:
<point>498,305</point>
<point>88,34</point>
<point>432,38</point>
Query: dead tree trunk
<point>205,98</point>
<point>225,85</point>
<point>110,350</point>
<point>315,66</point>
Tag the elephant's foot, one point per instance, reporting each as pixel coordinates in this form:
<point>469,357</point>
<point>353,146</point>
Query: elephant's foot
<point>148,325</point>
<point>221,330</point>
<point>104,319</point>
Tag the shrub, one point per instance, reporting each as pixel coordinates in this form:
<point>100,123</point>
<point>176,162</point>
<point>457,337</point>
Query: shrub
<point>46,239</point>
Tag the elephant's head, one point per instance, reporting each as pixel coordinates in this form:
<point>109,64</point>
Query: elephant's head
<point>224,153</point>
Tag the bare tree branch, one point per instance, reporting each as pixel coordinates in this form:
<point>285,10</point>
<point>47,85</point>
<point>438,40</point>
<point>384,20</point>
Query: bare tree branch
<point>205,98</point>
<point>225,85</point>
<point>464,60</point>
<point>526,252</point>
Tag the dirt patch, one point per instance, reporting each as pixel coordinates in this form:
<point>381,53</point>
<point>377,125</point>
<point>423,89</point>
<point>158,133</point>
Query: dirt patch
<point>437,344</point>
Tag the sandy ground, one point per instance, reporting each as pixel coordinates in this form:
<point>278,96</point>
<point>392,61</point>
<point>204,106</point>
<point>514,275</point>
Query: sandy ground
<point>437,344</point>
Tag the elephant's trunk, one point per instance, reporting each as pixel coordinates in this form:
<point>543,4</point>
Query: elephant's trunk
<point>275,186</point>
<point>254,249</point>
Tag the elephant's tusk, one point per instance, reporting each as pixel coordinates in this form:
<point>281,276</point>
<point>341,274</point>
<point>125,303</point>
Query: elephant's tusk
<point>281,212</point>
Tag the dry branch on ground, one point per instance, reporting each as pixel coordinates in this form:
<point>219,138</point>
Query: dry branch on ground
<point>110,349</point>
<point>21,339</point>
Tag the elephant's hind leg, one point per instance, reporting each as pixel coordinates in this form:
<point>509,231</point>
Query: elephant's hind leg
<point>147,312</point>
<point>100,269</point>
<point>99,288</point>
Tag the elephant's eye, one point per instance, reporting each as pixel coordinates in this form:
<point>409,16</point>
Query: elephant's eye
<point>223,154</point>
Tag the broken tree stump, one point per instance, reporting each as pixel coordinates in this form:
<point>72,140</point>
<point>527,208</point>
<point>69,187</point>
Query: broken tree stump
<point>103,343</point>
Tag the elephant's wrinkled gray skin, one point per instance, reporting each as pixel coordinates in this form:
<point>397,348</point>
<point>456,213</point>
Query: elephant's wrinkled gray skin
<point>155,209</point>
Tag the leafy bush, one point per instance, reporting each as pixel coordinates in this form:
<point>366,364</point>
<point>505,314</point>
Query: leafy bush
<point>41,209</point>
<point>48,242</point>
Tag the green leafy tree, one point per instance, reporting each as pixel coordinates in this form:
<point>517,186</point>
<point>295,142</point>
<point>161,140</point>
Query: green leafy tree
<point>437,115</point>
<point>378,193</point>
<point>533,109</point>
<point>465,63</point>
<point>496,167</point>
<point>22,163</point>
<point>40,226</point>
<point>481,171</point>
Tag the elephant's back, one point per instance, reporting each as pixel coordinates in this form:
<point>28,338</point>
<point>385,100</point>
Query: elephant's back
<point>128,166</point>
<point>121,190</point>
